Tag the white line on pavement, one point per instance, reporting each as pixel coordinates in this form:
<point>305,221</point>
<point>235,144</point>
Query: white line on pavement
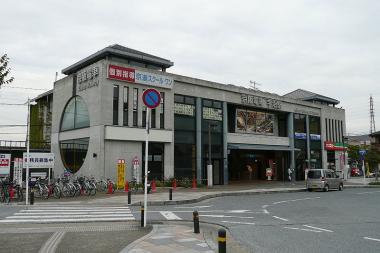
<point>192,206</point>
<point>238,211</point>
<point>72,213</point>
<point>265,211</point>
<point>279,218</point>
<point>52,243</point>
<point>74,210</point>
<point>322,229</point>
<point>303,229</point>
<point>371,239</point>
<point>224,216</point>
<point>66,220</point>
<point>359,193</point>
<point>293,200</point>
<point>170,215</point>
<point>66,216</point>
<point>238,222</point>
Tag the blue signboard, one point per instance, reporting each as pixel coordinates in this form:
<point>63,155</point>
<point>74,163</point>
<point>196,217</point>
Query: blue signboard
<point>300,136</point>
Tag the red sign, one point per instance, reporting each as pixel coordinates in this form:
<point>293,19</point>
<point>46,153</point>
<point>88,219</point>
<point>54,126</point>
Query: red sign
<point>331,146</point>
<point>121,73</point>
<point>136,161</point>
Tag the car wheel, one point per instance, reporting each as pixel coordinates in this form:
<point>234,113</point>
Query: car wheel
<point>309,189</point>
<point>341,187</point>
<point>326,188</point>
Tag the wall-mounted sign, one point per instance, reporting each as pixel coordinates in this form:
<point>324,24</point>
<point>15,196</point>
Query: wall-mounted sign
<point>5,164</point>
<point>137,76</point>
<point>300,136</point>
<point>315,137</point>
<point>88,78</point>
<point>268,103</point>
<point>39,160</point>
<point>184,109</point>
<point>335,146</point>
<point>307,112</point>
<point>254,122</point>
<point>212,113</point>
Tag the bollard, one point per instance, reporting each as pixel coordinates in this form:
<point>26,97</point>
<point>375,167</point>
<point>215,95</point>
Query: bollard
<point>142,216</point>
<point>196,222</point>
<point>222,240</point>
<point>129,198</point>
<point>170,194</point>
<point>32,198</point>
<point>153,185</point>
<point>174,184</point>
<point>194,184</point>
<point>126,187</point>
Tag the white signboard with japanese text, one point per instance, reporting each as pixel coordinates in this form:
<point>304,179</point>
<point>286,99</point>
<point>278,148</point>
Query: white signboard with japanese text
<point>17,170</point>
<point>5,164</point>
<point>39,160</point>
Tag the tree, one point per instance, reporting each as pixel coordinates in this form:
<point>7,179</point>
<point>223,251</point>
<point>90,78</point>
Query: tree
<point>4,70</point>
<point>353,152</point>
<point>373,158</point>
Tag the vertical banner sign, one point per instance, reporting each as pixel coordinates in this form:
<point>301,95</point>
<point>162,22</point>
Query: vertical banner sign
<point>120,173</point>
<point>136,168</point>
<point>5,164</point>
<point>17,170</point>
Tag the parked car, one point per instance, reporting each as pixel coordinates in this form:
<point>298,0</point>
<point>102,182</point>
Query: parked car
<point>323,179</point>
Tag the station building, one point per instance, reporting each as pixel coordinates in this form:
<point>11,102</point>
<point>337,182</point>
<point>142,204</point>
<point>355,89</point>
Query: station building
<point>98,118</point>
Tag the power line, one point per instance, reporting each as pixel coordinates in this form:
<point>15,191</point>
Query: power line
<point>15,133</point>
<point>12,104</point>
<point>24,88</point>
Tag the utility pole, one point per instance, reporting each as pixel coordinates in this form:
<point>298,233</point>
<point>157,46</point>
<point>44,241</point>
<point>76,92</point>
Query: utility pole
<point>253,84</point>
<point>372,115</point>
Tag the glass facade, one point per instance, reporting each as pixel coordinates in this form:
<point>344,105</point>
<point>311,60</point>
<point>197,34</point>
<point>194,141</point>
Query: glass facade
<point>73,153</point>
<point>115,118</point>
<point>162,111</point>
<point>315,142</point>
<point>125,106</point>
<point>135,105</point>
<point>75,115</point>
<point>184,137</point>
<point>300,142</point>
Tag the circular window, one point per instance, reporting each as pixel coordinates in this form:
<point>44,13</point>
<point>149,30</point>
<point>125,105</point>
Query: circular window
<point>75,114</point>
<point>73,153</point>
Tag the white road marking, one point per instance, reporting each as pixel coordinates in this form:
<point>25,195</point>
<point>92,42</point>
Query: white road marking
<point>75,210</point>
<point>293,200</point>
<point>203,244</point>
<point>169,215</point>
<point>52,243</point>
<point>192,206</point>
<point>265,206</point>
<point>159,237</point>
<point>322,229</point>
<point>371,239</point>
<point>66,216</point>
<point>66,220</point>
<point>238,222</point>
<point>187,240</point>
<point>279,218</point>
<point>224,216</point>
<point>238,211</point>
<point>74,213</point>
<point>367,192</point>
<point>265,211</point>
<point>304,229</point>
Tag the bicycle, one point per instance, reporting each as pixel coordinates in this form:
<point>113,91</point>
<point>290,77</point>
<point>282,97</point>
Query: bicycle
<point>40,189</point>
<point>19,195</point>
<point>5,186</point>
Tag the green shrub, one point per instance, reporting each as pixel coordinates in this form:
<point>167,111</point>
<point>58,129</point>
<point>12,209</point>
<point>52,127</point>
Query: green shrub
<point>374,183</point>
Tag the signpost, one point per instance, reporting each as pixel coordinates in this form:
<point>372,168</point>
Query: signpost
<point>136,167</point>
<point>151,99</point>
<point>5,165</point>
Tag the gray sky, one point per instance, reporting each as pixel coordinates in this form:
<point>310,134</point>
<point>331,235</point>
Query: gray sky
<point>330,47</point>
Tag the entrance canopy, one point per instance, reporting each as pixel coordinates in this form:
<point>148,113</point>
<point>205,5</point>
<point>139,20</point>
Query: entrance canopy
<point>260,147</point>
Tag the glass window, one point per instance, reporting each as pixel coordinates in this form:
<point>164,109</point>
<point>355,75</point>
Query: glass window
<point>73,153</point>
<point>179,99</point>
<point>190,100</point>
<point>162,111</point>
<point>115,104</point>
<point>299,123</point>
<point>315,125</point>
<point>135,105</point>
<point>207,103</point>
<point>125,106</point>
<point>75,115</point>
<point>217,104</point>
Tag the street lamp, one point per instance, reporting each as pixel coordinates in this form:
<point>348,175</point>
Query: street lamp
<point>209,165</point>
<point>27,151</point>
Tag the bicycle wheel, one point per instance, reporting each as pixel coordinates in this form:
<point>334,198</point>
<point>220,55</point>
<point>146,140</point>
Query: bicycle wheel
<point>57,192</point>
<point>66,191</point>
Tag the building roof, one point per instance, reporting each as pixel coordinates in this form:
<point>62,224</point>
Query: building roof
<point>119,51</point>
<point>305,95</point>
<point>47,93</point>
<point>375,134</point>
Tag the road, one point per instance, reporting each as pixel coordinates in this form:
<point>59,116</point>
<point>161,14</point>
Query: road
<point>334,221</point>
<point>347,221</point>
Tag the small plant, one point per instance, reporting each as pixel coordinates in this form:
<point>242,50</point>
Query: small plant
<point>374,183</point>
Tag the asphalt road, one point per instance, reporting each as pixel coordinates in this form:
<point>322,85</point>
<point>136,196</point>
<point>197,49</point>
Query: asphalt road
<point>347,221</point>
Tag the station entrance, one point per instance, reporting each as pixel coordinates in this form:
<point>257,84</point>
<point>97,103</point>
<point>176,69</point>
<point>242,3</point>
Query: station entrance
<point>250,165</point>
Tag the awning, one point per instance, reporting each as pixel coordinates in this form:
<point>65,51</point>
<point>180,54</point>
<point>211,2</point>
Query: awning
<point>260,147</point>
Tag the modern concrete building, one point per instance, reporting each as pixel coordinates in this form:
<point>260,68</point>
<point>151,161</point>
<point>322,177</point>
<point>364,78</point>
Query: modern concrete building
<point>98,118</point>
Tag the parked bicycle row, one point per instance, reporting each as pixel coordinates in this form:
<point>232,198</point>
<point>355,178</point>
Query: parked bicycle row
<point>59,187</point>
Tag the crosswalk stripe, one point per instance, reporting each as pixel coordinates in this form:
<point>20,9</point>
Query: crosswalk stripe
<point>70,214</point>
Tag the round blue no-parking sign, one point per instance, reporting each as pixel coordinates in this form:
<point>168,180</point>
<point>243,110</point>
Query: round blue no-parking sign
<point>151,98</point>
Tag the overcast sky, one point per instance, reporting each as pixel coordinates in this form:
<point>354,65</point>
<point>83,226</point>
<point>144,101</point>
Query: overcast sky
<point>329,47</point>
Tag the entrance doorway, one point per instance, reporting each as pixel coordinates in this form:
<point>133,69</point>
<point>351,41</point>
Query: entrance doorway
<point>217,172</point>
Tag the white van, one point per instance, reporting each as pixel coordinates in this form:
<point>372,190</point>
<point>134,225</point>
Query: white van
<point>323,179</point>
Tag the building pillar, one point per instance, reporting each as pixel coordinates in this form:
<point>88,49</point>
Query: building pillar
<point>308,141</point>
<point>225,155</point>
<point>198,118</point>
<point>291,140</point>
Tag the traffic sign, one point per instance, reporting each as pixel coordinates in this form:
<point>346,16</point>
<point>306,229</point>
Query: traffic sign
<point>362,152</point>
<point>151,98</point>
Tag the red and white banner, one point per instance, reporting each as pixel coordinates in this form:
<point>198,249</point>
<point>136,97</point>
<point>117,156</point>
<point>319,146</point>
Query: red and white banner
<point>137,76</point>
<point>5,164</point>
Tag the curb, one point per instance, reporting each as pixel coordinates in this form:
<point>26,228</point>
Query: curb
<point>134,243</point>
<point>234,193</point>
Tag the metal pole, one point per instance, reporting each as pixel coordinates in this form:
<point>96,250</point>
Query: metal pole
<point>27,156</point>
<point>209,143</point>
<point>146,164</point>
<point>364,171</point>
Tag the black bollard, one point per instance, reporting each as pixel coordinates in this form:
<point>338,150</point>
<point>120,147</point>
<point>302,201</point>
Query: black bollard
<point>32,198</point>
<point>142,216</point>
<point>222,240</point>
<point>170,194</point>
<point>129,198</point>
<point>196,222</point>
